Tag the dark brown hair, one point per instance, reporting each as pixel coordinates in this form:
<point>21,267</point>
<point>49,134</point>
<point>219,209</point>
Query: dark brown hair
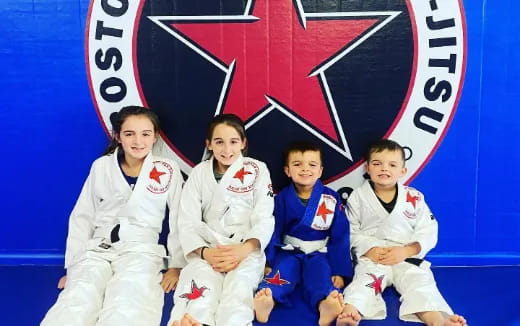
<point>384,144</point>
<point>118,118</point>
<point>231,120</point>
<point>301,147</point>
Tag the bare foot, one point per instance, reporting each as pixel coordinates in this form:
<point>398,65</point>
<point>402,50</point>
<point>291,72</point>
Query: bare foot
<point>349,316</point>
<point>263,305</point>
<point>455,320</point>
<point>186,320</point>
<point>330,308</point>
<point>436,318</point>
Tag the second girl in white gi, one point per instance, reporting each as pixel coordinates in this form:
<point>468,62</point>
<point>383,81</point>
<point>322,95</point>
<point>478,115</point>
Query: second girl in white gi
<point>226,221</point>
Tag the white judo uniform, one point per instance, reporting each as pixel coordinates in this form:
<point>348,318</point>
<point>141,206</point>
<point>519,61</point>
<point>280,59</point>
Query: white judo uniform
<point>238,208</point>
<point>372,226</point>
<point>113,258</point>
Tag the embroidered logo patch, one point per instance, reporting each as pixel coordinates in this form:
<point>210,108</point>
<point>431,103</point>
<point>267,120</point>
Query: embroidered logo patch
<point>276,279</point>
<point>412,196</point>
<point>195,292</point>
<point>325,213</point>
<point>160,177</point>
<point>339,75</point>
<point>270,191</point>
<point>377,284</point>
<point>245,178</point>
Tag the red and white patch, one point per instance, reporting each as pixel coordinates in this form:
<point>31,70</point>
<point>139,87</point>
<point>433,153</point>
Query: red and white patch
<point>412,197</point>
<point>160,177</point>
<point>244,179</point>
<point>324,213</point>
<point>276,280</point>
<point>314,94</point>
<point>270,191</point>
<point>377,284</point>
<point>195,292</point>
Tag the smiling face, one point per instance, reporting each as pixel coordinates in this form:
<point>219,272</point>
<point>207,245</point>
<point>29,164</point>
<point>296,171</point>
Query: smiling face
<point>226,145</point>
<point>385,168</point>
<point>304,168</point>
<point>137,137</point>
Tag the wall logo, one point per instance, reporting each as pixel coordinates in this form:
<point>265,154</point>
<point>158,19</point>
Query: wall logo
<point>339,75</point>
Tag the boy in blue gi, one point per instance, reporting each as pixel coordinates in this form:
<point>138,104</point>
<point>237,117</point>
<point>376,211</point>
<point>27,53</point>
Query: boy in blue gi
<point>310,241</point>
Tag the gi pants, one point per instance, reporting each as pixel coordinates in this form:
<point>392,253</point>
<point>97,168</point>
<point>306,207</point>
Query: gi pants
<point>214,298</point>
<point>415,284</point>
<point>311,270</point>
<point>109,287</point>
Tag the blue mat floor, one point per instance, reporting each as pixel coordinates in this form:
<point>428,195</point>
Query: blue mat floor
<point>484,295</point>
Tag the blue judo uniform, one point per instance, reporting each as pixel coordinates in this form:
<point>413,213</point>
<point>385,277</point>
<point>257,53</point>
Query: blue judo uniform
<point>310,243</point>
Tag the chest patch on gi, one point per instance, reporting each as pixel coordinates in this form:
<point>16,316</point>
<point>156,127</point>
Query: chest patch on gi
<point>276,279</point>
<point>411,198</point>
<point>159,177</point>
<point>324,213</point>
<point>244,178</point>
<point>195,293</point>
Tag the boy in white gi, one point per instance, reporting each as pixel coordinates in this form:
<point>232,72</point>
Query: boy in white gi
<point>391,230</point>
<point>112,257</point>
<point>309,247</point>
<point>226,221</point>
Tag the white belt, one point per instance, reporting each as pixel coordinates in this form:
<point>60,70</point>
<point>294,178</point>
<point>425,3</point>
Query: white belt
<point>213,237</point>
<point>305,246</point>
<point>128,232</point>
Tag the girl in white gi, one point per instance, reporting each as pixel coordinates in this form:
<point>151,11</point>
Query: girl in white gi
<point>226,218</point>
<point>391,230</point>
<point>112,257</point>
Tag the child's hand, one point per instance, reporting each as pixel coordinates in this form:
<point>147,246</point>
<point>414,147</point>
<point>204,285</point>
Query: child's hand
<point>267,270</point>
<point>170,279</point>
<point>394,255</point>
<point>238,252</point>
<point>220,259</point>
<point>338,281</point>
<point>375,254</point>
<point>61,282</point>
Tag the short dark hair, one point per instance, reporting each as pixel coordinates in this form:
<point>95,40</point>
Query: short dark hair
<point>384,144</point>
<point>301,146</point>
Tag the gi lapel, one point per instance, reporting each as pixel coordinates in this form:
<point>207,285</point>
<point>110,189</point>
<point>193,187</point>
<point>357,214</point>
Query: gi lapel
<point>218,206</point>
<point>373,200</point>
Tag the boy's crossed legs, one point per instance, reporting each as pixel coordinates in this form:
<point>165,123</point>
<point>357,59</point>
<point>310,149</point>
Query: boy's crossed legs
<point>290,270</point>
<point>415,284</point>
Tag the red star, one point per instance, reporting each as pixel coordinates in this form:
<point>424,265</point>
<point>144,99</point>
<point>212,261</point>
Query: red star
<point>155,175</point>
<point>195,293</point>
<point>323,211</point>
<point>411,199</point>
<point>276,280</point>
<point>240,174</point>
<point>273,55</point>
<point>377,284</point>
